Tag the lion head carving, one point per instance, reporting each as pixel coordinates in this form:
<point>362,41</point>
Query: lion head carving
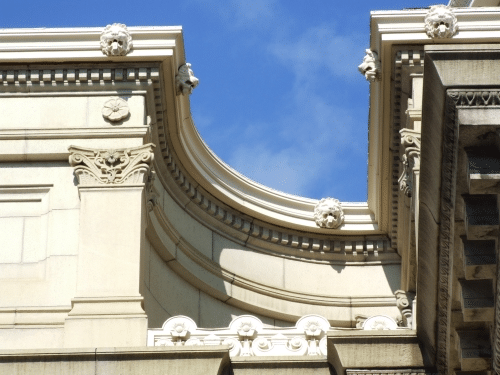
<point>328,213</point>
<point>116,40</point>
<point>370,66</point>
<point>440,22</point>
<point>186,81</point>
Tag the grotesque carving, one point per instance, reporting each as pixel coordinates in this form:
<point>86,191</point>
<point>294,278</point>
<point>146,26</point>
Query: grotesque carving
<point>440,22</point>
<point>328,213</point>
<point>370,66</point>
<point>185,79</point>
<point>116,40</point>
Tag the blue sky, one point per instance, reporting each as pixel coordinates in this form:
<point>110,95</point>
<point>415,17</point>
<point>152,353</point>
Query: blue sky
<point>280,98</point>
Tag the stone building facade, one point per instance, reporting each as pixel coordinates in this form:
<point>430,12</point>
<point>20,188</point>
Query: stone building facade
<point>127,246</point>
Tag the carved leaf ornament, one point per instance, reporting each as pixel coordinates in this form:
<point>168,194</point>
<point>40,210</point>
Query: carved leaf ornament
<point>111,166</point>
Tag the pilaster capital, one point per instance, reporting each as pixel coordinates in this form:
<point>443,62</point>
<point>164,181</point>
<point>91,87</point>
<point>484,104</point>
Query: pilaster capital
<point>130,166</point>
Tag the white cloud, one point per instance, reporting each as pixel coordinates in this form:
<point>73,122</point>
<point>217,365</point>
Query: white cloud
<point>319,49</point>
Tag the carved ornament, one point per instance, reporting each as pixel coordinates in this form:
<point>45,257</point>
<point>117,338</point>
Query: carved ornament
<point>380,323</point>
<point>246,336</point>
<point>111,167</point>
<point>185,80</point>
<point>328,213</point>
<point>370,67</point>
<point>115,109</point>
<point>116,40</point>
<point>410,140</point>
<point>404,301</point>
<point>440,22</point>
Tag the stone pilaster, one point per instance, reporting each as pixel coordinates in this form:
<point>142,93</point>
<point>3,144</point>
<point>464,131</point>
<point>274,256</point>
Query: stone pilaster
<point>107,309</point>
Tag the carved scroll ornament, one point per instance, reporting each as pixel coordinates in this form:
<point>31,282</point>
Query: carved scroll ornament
<point>410,161</point>
<point>404,301</point>
<point>247,336</point>
<point>111,167</point>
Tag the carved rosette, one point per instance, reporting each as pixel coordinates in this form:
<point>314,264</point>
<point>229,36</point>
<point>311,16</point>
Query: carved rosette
<point>116,40</point>
<point>328,213</point>
<point>370,67</point>
<point>440,22</point>
<point>111,167</point>
<point>115,109</point>
<point>185,80</point>
<point>410,161</point>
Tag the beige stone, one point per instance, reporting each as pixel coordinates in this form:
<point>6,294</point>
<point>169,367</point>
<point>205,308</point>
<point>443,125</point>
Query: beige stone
<point>174,294</point>
<point>280,365</point>
<point>199,236</point>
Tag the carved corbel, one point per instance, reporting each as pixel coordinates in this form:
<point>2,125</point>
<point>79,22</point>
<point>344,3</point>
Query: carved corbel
<point>370,67</point>
<point>410,140</point>
<point>111,167</point>
<point>404,301</point>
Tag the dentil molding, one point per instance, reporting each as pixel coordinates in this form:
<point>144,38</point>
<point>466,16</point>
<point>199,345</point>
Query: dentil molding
<point>111,167</point>
<point>116,40</point>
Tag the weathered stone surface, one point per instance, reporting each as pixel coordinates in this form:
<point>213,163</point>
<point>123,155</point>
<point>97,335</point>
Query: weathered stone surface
<point>125,361</point>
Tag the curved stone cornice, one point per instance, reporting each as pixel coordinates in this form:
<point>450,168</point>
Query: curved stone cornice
<point>210,173</point>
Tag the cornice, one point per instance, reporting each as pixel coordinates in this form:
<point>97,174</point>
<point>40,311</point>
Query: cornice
<point>83,44</point>
<point>250,197</point>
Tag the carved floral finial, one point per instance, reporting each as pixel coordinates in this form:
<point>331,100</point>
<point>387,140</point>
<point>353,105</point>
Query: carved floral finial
<point>185,80</point>
<point>370,66</point>
<point>115,109</point>
<point>328,213</point>
<point>440,22</point>
<point>116,40</point>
